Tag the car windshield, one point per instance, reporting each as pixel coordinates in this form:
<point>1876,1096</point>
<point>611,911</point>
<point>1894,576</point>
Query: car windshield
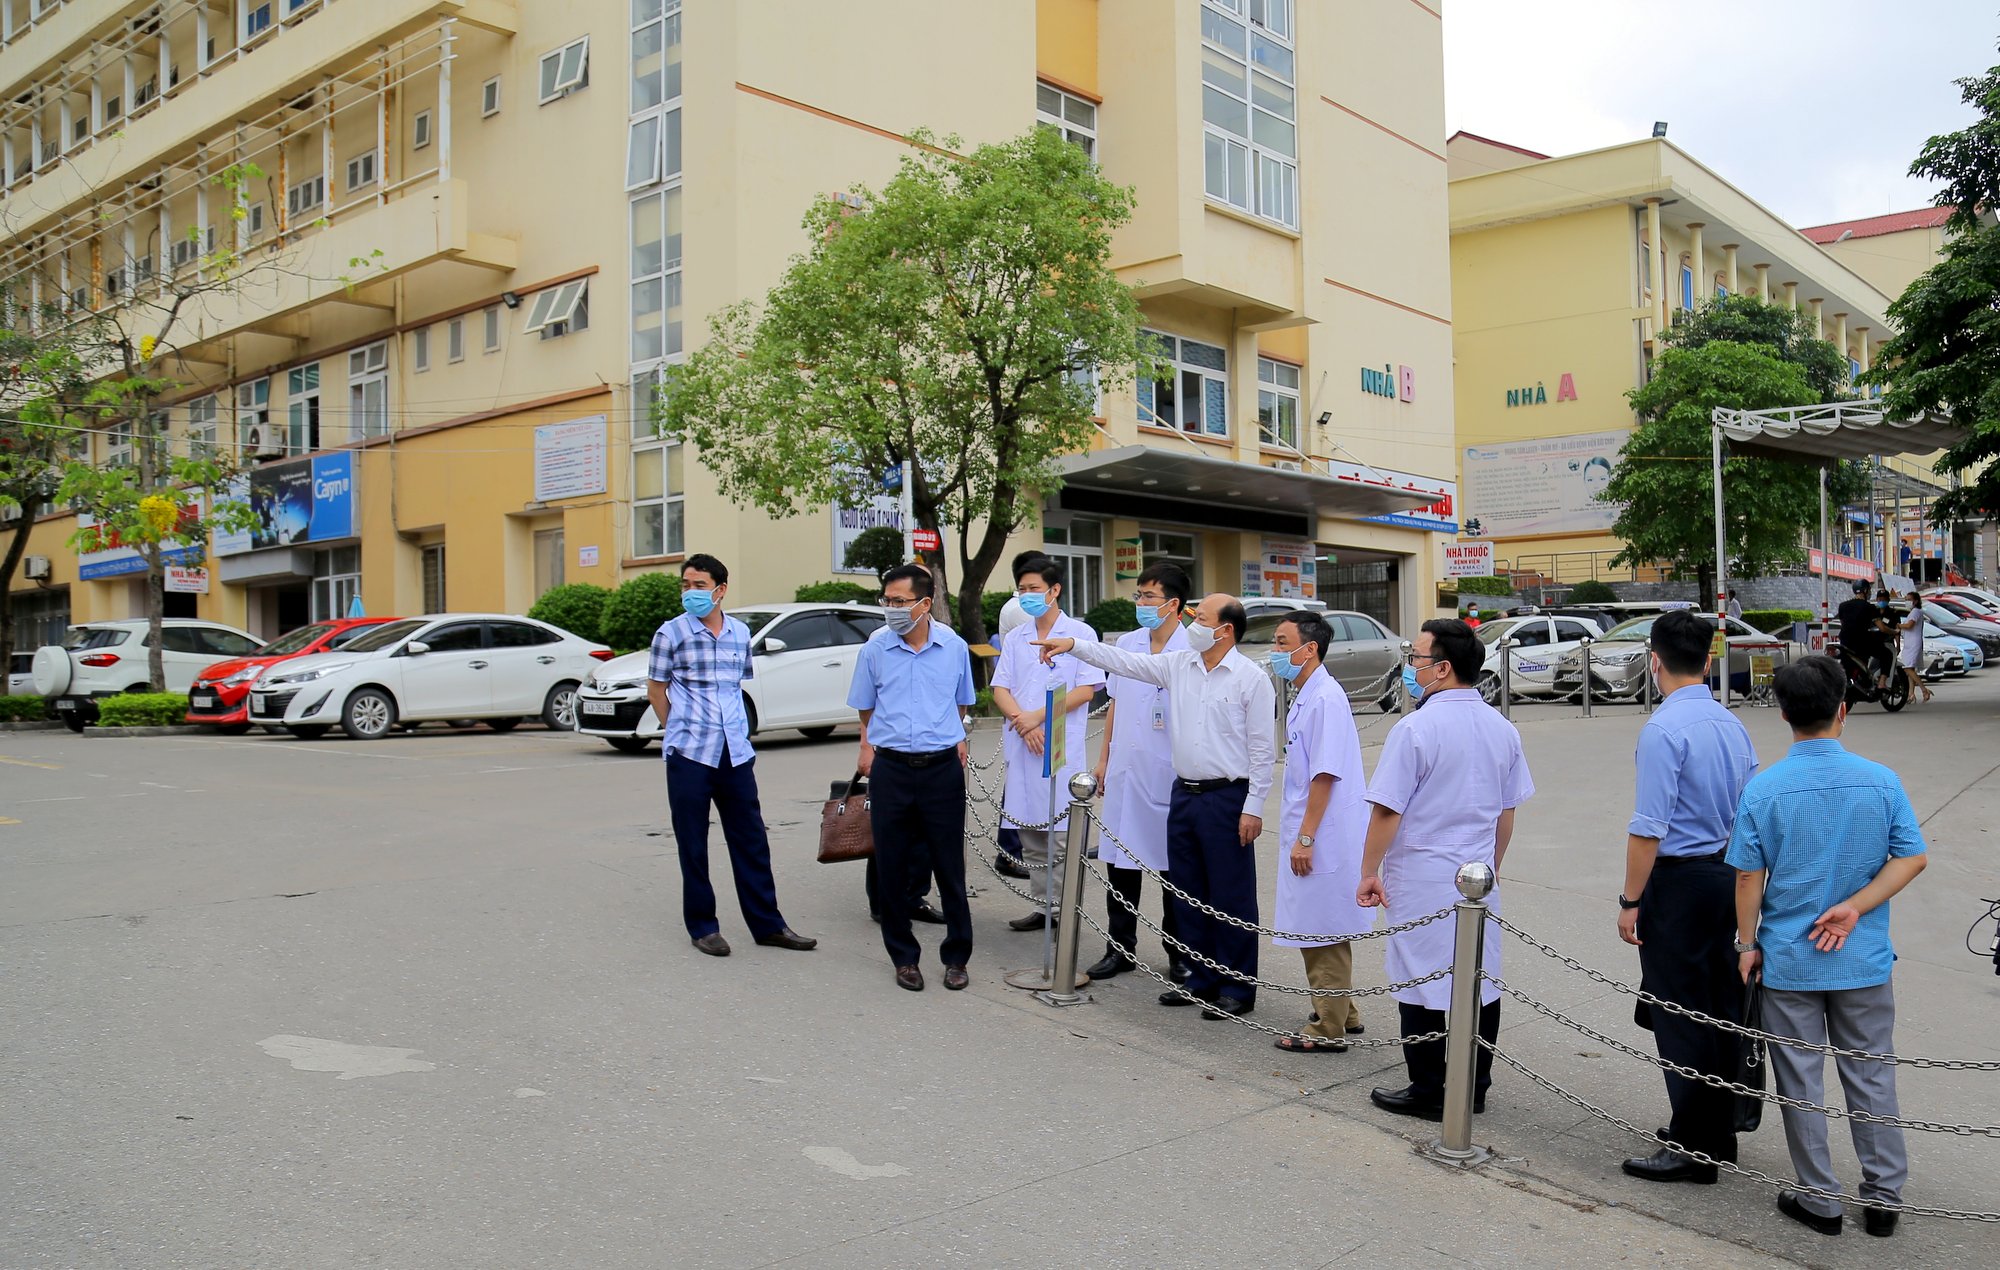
<point>296,641</point>
<point>1488,632</point>
<point>1262,630</point>
<point>384,636</point>
<point>1636,628</point>
<point>86,637</point>
<point>755,619</point>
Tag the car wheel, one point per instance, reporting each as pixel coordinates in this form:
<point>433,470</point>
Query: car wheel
<point>369,715</point>
<point>275,729</point>
<point>1489,688</point>
<point>232,729</point>
<point>309,731</point>
<point>816,734</point>
<point>503,725</point>
<point>750,713</point>
<point>628,744</point>
<point>559,707</point>
<point>73,721</point>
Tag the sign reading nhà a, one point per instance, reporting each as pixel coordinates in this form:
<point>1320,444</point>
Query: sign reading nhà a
<point>1468,560</point>
<point>1537,394</point>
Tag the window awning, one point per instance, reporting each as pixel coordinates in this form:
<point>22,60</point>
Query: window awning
<point>1152,473</point>
<point>1836,430</point>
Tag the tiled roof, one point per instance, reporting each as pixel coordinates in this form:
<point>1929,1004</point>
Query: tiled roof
<point>1874,226</point>
<point>1473,136</point>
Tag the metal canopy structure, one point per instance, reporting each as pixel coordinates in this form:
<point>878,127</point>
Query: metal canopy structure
<point>1151,472</point>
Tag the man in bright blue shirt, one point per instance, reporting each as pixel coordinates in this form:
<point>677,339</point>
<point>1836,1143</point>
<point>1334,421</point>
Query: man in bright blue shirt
<point>1693,759</point>
<point>694,678</point>
<point>912,684</point>
<point>1823,841</point>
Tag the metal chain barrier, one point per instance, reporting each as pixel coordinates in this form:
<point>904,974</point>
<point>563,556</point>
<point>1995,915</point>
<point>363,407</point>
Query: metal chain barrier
<point>1772,1038</point>
<point>1700,1157</point>
<point>1718,1082</point>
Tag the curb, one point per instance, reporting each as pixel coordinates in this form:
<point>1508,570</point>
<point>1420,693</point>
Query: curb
<point>177,730</point>
<point>32,725</point>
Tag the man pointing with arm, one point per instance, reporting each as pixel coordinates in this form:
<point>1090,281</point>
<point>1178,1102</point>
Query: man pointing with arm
<point>1221,736</point>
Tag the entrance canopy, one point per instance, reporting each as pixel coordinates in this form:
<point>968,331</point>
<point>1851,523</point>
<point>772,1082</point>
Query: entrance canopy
<point>1837,430</point>
<point>1150,473</point>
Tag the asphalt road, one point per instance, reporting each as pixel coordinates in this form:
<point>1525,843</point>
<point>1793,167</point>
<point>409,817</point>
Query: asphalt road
<point>428,1002</point>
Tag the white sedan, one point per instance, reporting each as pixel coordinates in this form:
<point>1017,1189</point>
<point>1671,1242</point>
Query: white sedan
<point>1540,641</point>
<point>490,666</point>
<point>803,659</point>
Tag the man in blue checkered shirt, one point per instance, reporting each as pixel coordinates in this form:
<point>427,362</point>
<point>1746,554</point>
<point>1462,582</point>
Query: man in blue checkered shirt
<point>694,677</point>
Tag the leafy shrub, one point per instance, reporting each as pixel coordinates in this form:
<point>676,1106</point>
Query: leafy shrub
<point>1485,586</point>
<point>577,607</point>
<point>982,704</point>
<point>990,604</point>
<point>879,549</point>
<point>1111,617</point>
<point>142,710</point>
<point>635,610</point>
<point>1592,592</point>
<point>1775,621</point>
<point>836,593</point>
<point>22,709</point>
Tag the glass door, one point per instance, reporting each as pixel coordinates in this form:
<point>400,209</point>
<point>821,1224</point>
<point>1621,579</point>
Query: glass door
<point>1078,546</point>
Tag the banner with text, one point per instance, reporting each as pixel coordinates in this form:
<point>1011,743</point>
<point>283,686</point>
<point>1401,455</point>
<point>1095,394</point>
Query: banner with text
<point>1547,485</point>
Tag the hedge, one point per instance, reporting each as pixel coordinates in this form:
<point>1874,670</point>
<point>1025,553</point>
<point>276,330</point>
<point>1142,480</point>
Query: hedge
<point>142,710</point>
<point>22,709</point>
<point>836,593</point>
<point>990,604</point>
<point>577,607</point>
<point>1591,592</point>
<point>1485,586</point>
<point>1114,616</point>
<point>636,609</point>
<point>1775,621</point>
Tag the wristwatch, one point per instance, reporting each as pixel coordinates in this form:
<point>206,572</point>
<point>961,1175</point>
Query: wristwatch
<point>1627,905</point>
<point>1304,840</point>
<point>1742,947</point>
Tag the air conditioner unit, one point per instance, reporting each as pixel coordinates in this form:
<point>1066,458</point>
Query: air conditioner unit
<point>10,513</point>
<point>262,441</point>
<point>36,569</point>
<point>1287,465</point>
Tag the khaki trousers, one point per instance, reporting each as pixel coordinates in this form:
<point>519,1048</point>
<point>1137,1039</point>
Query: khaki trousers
<point>1330,967</point>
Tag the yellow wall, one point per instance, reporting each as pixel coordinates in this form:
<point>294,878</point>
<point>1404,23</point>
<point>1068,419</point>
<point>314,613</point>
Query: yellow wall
<point>1066,43</point>
<point>1891,262</point>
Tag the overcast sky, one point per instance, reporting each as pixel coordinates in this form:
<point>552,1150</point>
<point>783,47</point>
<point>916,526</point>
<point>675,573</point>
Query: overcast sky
<point>1814,108</point>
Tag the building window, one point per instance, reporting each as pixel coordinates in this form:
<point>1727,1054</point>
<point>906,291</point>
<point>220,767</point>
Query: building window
<point>302,410</point>
<point>434,578</point>
<point>658,518</point>
<point>256,20</point>
<point>1249,108</point>
<point>306,196</point>
<point>1161,547</point>
<point>656,276</point>
<point>454,340</point>
<point>368,390</point>
<point>1192,394</point>
<point>118,444</point>
<point>653,149</point>
<point>202,423</point>
<point>557,307</point>
<point>1071,116</point>
<point>253,417</point>
<point>1687,287</point>
<point>1277,404</point>
<point>656,53</point>
<point>420,349</point>
<point>253,219</point>
<point>565,70</point>
<point>360,171</point>
<point>492,319</point>
<point>336,582</point>
<point>420,130</point>
<point>489,98</point>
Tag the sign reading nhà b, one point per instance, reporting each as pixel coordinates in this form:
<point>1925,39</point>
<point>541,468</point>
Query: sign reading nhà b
<point>1468,560</point>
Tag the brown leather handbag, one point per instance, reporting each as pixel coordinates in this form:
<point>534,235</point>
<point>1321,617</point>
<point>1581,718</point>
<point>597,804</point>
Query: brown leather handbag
<point>844,831</point>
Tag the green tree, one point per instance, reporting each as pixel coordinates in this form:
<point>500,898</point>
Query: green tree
<point>879,549</point>
<point>953,320</point>
<point>42,385</point>
<point>1945,354</point>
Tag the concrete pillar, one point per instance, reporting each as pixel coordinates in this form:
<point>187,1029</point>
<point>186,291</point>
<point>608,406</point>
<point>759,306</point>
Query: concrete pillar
<point>1729,266</point>
<point>1657,245</point>
<point>1792,296</point>
<point>1764,283</point>
<point>1861,349</point>
<point>1819,320</point>
<point>1840,334</point>
<point>1704,287</point>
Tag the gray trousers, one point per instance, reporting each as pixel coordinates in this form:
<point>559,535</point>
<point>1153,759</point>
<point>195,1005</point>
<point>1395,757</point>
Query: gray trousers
<point>1856,1019</point>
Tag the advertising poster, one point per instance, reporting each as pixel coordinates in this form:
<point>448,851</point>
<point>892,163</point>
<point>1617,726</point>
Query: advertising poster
<point>294,503</point>
<point>1548,485</point>
<point>1289,569</point>
<point>111,558</point>
<point>281,502</point>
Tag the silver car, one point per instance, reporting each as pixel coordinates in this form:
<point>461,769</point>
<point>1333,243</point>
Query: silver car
<point>1618,662</point>
<point>1364,655</point>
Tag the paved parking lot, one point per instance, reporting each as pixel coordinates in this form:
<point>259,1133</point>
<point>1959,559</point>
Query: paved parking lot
<point>427,1001</point>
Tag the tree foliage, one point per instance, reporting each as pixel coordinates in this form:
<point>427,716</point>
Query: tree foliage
<point>878,550</point>
<point>1945,354</point>
<point>1740,353</point>
<point>953,320</point>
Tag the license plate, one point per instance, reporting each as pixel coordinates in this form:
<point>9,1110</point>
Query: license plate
<point>260,705</point>
<point>600,707</point>
<point>65,704</point>
<point>203,701</point>
<point>1529,665</point>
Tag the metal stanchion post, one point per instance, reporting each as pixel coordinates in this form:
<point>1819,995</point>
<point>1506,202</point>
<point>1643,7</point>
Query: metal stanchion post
<point>1403,702</point>
<point>1646,677</point>
<point>1507,677</point>
<point>1587,642</point>
<point>1461,1046</point>
<point>1064,985</point>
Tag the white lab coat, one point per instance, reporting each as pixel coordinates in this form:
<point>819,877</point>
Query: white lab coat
<point>1321,739</point>
<point>1139,779</point>
<point>1026,798</point>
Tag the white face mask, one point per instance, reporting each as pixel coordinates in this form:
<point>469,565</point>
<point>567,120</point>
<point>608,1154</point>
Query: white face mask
<point>1201,638</point>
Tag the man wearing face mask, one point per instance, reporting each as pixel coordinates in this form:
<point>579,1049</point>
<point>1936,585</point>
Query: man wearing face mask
<point>1135,773</point>
<point>1321,822</point>
<point>1444,794</point>
<point>1007,859</point>
<point>1220,735</point>
<point>694,678</point>
<point>1019,684</point>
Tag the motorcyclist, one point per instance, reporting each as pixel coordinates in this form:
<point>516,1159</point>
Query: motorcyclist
<point>1863,635</point>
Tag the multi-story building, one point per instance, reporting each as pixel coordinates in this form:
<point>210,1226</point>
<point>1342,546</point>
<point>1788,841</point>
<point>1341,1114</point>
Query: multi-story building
<point>482,227</point>
<point>1564,271</point>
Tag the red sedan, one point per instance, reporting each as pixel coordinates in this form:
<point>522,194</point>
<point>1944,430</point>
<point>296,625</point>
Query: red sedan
<point>221,693</point>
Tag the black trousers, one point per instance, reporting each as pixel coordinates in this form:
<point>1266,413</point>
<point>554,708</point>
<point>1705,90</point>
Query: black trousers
<point>1425,1059</point>
<point>1124,923</point>
<point>1210,861</point>
<point>1687,920</point>
<point>917,815</point>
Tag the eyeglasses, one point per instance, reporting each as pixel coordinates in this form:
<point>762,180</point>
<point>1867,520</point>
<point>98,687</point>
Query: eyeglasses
<point>1149,597</point>
<point>1427,657</point>
<point>889,603</point>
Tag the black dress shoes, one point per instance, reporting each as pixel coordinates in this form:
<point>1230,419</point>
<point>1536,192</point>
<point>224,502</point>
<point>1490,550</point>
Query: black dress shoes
<point>955,979</point>
<point>713,945</point>
<point>1789,1205</point>
<point>1033,921</point>
<point>1669,1165</point>
<point>1223,1007</point>
<point>1880,1224</point>
<point>909,977</point>
<point>1179,971</point>
<point>1171,997</point>
<point>925,911</point>
<point>788,938</point>
<point>1410,1101</point>
<point>1110,964</point>
<point>1007,866</point>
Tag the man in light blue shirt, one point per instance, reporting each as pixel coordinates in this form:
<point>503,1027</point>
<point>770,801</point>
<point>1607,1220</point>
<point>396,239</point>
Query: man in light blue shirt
<point>1823,841</point>
<point>1693,759</point>
<point>912,685</point>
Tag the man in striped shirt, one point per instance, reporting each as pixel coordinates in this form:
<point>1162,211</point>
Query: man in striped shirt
<point>694,677</point>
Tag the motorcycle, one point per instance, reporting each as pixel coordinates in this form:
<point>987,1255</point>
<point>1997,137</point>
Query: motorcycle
<point>1861,685</point>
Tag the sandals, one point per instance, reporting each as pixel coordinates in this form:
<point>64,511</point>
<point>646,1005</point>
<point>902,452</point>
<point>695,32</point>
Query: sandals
<point>1309,1045</point>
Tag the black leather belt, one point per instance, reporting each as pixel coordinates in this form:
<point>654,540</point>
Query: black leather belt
<point>1690,859</point>
<point>908,759</point>
<point>1209,787</point>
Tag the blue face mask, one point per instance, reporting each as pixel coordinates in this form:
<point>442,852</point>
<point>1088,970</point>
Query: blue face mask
<point>1410,682</point>
<point>1283,667</point>
<point>1034,603</point>
<point>698,604</point>
<point>1151,616</point>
